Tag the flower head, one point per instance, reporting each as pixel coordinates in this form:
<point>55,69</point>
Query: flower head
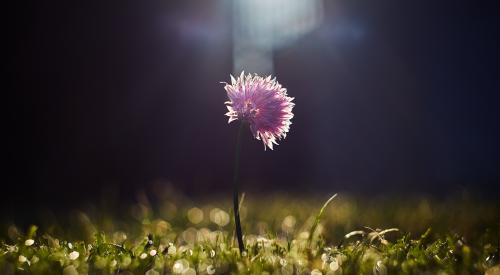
<point>263,103</point>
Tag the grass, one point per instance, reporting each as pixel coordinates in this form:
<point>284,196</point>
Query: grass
<point>283,235</point>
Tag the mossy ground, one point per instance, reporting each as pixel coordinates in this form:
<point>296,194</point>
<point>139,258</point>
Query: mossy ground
<point>174,235</point>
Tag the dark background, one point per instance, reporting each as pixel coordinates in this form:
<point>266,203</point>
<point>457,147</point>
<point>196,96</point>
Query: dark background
<point>391,97</point>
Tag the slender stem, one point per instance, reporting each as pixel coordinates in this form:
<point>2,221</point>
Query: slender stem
<point>236,190</point>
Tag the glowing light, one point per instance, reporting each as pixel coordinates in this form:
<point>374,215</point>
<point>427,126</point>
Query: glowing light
<point>288,223</point>
<point>219,217</point>
<point>180,266</point>
<point>262,26</point>
<point>195,215</point>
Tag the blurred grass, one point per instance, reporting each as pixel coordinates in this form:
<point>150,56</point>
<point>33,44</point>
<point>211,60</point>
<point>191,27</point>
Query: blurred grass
<point>170,233</point>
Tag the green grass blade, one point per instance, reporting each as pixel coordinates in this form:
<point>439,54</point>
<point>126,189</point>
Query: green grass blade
<point>318,218</point>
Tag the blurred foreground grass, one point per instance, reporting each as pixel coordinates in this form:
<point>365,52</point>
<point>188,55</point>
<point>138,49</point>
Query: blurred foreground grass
<point>175,235</point>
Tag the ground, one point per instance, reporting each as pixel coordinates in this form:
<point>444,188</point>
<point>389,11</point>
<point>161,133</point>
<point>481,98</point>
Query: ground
<point>284,234</point>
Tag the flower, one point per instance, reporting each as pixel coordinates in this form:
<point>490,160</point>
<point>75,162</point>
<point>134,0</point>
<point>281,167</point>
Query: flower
<point>263,103</point>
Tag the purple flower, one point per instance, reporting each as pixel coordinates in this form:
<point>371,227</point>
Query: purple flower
<point>263,103</point>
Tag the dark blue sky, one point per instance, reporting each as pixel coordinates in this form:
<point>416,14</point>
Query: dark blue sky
<point>390,95</point>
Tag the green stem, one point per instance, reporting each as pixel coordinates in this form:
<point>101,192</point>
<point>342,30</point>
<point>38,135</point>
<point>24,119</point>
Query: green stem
<point>237,221</point>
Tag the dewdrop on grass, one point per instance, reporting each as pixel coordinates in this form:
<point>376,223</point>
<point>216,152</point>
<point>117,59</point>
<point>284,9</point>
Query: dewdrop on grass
<point>74,255</point>
<point>34,259</point>
<point>334,265</point>
<point>283,262</point>
<point>379,268</point>
<point>210,269</point>
<point>22,259</point>
<point>324,257</point>
<point>171,250</point>
<point>29,242</point>
<point>180,266</point>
